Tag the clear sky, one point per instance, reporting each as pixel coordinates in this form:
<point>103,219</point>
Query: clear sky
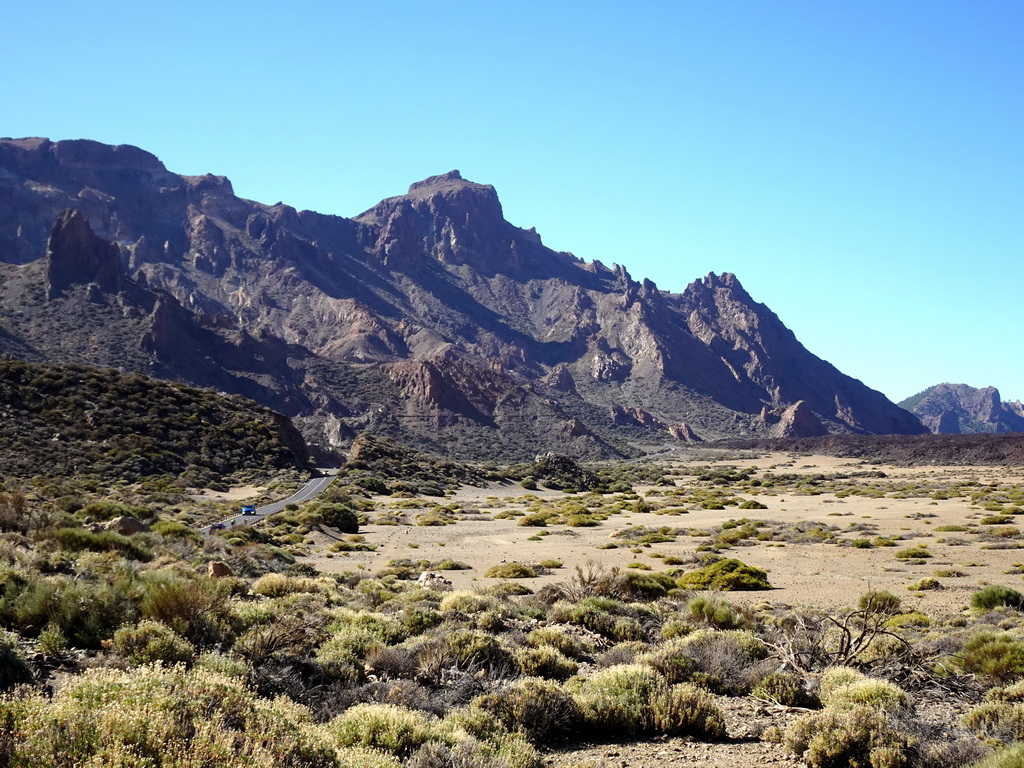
<point>858,165</point>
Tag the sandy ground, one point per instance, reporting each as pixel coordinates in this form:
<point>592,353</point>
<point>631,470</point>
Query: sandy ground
<point>821,575</point>
<point>233,494</point>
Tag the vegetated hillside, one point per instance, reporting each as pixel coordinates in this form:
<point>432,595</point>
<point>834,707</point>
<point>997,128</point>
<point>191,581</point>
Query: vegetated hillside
<point>428,318</point>
<point>1006,449</point>
<point>71,419</point>
<point>955,409</point>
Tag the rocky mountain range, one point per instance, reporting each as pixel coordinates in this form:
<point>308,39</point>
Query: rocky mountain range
<point>957,409</point>
<point>429,317</point>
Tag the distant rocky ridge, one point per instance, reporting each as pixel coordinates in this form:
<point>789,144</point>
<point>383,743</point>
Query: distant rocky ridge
<point>428,318</point>
<point>957,409</point>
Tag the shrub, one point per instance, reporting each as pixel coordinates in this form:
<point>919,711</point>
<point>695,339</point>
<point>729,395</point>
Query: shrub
<point>716,612</point>
<point>544,661</point>
<point>998,657</point>
<point>835,678</point>
<point>466,602</point>
<point>996,596</point>
<point>471,648</point>
<point>688,711</point>
<point>913,553</point>
<point>154,716</point>
<point>619,700</point>
<point>879,601</point>
<point>150,641</point>
<point>927,583</point>
<point>725,576</point>
<point>855,737</point>
<point>879,694</point>
<point>79,539</point>
<point>279,585</point>
<point>724,661</point>
<point>633,699</point>
<point>782,688</point>
<point>1011,756</point>
<point>998,719</point>
<point>340,516</point>
<point>510,571</point>
<point>13,668</point>
<point>647,586</point>
<point>195,609</point>
<point>392,729</point>
<point>562,641</point>
<point>539,708</point>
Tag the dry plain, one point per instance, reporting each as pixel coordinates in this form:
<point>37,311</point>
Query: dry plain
<point>832,529</point>
<point>828,573</point>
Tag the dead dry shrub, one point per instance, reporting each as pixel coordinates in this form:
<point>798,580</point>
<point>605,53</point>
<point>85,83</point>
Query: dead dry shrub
<point>592,580</point>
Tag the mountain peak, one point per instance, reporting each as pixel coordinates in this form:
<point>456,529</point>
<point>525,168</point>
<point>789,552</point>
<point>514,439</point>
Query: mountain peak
<point>436,181</point>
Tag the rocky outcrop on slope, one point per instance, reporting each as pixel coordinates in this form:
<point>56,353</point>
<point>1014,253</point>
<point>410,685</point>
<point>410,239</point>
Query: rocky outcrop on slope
<point>958,409</point>
<point>429,317</point>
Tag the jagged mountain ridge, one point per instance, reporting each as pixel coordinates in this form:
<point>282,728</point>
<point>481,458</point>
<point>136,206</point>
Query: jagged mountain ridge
<point>959,409</point>
<point>428,316</point>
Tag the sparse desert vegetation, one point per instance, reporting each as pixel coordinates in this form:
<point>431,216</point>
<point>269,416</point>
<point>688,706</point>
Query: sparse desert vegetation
<point>655,607</point>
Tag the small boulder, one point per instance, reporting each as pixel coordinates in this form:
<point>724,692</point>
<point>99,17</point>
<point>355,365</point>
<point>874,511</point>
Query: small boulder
<point>216,569</point>
<point>434,580</point>
<point>126,525</point>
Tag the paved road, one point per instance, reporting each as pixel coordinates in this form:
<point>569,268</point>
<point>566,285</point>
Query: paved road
<point>306,492</point>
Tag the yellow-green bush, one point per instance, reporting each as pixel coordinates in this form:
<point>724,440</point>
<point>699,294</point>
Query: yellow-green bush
<point>539,708</point>
<point>163,718</point>
<point>389,728</point>
<point>150,641</point>
<point>544,661</point>
<point>854,737</point>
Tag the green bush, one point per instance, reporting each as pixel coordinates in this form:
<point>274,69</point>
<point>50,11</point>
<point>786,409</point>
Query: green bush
<point>559,639</point>
<point>389,728</point>
<point>544,661</point>
<point>997,719</point>
<point>619,700</point>
<point>634,699</point>
<point>542,710</point>
<point>996,596</point>
<point>726,575</point>
<point>14,670</point>
<point>1011,756</point>
<point>196,609</point>
<point>149,642</point>
<point>161,716</point>
<point>997,657</point>
<point>339,516</point>
<point>879,601</point>
<point>688,711</point>
<point>783,688</point>
<point>511,571</point>
<point>854,737</point>
<point>716,612</point>
<point>470,648</point>
<point>79,540</point>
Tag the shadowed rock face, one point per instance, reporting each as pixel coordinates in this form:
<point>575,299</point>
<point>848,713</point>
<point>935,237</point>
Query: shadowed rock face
<point>955,409</point>
<point>428,317</point>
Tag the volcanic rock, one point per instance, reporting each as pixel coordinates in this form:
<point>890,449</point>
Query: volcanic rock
<point>429,317</point>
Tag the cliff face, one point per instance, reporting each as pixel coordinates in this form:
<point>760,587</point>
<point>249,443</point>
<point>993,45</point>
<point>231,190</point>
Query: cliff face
<point>957,409</point>
<point>428,316</point>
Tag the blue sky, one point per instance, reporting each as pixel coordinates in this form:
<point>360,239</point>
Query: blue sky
<point>858,165</point>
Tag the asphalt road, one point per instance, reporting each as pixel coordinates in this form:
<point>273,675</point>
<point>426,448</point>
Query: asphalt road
<point>306,492</point>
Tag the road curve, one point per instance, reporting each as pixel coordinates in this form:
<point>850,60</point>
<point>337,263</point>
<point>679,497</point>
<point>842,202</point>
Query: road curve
<point>306,492</point>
